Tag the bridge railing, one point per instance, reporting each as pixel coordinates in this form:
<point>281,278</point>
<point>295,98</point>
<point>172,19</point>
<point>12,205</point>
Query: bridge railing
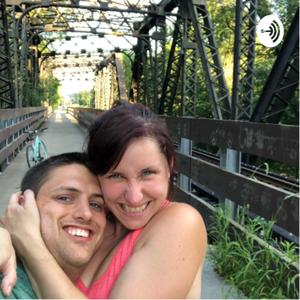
<point>84,116</point>
<point>268,141</point>
<point>13,124</point>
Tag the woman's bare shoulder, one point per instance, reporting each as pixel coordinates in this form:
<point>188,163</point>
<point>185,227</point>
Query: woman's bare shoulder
<point>177,219</point>
<point>182,213</point>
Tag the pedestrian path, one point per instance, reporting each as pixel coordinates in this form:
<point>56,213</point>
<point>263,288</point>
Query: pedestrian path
<point>65,135</point>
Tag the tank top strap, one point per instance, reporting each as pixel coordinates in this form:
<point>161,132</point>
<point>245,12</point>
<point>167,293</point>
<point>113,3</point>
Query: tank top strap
<point>165,203</point>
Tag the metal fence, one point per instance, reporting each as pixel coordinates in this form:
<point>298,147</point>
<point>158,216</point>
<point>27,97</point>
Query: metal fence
<point>13,124</point>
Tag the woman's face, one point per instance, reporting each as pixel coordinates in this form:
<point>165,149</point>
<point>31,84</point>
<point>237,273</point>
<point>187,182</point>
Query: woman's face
<point>136,189</point>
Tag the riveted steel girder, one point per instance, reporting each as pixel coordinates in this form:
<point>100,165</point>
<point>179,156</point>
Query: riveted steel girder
<point>244,55</point>
<point>283,79</point>
<point>110,82</point>
<point>6,88</point>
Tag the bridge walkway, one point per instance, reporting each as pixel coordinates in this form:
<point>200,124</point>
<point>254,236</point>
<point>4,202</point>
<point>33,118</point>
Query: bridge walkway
<point>65,135</point>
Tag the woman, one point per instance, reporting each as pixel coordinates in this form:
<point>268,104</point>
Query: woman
<point>133,157</point>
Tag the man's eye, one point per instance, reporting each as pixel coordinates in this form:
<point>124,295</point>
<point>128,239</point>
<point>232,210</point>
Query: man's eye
<point>96,205</point>
<point>64,198</point>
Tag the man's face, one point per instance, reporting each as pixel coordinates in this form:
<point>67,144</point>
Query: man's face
<point>72,215</point>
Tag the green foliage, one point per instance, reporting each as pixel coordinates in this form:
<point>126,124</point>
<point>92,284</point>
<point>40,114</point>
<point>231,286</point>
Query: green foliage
<point>127,69</point>
<point>83,98</point>
<point>50,86</point>
<point>47,90</point>
<point>258,271</point>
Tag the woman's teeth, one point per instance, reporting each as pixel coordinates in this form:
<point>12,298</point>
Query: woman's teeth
<point>130,209</point>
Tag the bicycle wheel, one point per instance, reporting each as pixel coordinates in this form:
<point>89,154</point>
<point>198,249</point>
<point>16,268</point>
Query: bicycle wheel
<point>42,151</point>
<point>31,161</point>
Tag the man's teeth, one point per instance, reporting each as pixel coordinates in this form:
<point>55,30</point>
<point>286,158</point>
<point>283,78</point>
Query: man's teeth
<point>130,209</point>
<point>78,232</point>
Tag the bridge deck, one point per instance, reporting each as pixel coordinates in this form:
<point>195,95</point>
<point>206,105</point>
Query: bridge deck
<point>64,135</point>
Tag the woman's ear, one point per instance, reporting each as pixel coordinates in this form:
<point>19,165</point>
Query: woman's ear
<point>171,167</point>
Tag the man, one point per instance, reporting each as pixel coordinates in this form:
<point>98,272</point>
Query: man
<point>71,211</point>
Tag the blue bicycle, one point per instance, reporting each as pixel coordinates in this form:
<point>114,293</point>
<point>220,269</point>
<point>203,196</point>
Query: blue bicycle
<point>37,151</point>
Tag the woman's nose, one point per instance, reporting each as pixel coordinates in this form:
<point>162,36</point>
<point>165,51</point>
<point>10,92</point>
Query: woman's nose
<point>134,194</point>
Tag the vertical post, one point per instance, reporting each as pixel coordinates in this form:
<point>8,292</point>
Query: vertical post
<point>23,62</point>
<point>230,160</point>
<point>16,58</point>
<point>186,148</point>
<point>236,61</point>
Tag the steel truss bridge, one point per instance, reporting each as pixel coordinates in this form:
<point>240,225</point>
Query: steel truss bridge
<point>167,80</point>
<point>170,49</point>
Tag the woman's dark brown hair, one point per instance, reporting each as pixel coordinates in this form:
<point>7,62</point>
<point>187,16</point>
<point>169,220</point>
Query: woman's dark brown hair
<point>115,129</point>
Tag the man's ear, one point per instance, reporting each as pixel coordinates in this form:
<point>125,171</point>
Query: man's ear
<point>21,199</point>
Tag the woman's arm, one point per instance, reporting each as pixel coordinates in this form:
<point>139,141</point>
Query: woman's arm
<point>23,222</point>
<point>7,262</point>
<point>167,256</point>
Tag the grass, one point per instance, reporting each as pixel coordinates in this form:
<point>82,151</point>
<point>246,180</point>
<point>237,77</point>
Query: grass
<point>259,272</point>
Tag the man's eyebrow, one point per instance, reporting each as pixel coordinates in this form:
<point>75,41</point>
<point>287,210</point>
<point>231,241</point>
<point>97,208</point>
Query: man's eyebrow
<point>66,188</point>
<point>73,189</point>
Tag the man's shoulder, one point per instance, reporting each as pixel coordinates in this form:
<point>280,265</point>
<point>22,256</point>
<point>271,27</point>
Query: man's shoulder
<point>23,288</point>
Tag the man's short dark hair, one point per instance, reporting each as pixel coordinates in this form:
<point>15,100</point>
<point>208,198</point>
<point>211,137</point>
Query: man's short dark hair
<point>36,176</point>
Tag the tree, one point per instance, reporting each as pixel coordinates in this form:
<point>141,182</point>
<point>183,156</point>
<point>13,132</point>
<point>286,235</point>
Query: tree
<point>83,98</point>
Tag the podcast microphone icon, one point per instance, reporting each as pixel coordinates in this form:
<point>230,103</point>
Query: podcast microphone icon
<point>270,31</point>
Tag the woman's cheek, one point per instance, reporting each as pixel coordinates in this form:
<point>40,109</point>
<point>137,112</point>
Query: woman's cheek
<point>157,189</point>
<point>111,191</point>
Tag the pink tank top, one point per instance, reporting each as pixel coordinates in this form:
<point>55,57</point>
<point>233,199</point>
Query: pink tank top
<point>102,287</point>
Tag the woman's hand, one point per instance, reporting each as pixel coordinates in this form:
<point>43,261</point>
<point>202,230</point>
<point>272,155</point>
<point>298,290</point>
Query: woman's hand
<point>7,262</point>
<point>22,220</point>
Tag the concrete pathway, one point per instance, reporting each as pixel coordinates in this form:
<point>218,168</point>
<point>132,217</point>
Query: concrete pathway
<point>65,135</point>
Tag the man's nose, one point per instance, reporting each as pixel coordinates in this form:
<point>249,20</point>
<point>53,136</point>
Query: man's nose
<point>83,210</point>
<point>134,193</point>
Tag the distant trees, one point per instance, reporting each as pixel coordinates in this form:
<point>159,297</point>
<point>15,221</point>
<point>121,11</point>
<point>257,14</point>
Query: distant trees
<point>47,90</point>
<point>83,98</point>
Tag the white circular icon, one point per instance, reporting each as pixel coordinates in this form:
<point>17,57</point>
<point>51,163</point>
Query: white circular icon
<point>270,31</point>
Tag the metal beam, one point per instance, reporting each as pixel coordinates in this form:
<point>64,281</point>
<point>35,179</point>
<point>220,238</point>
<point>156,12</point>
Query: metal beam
<point>6,85</point>
<point>282,81</point>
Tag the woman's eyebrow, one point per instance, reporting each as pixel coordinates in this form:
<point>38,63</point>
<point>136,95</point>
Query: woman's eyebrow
<point>98,195</point>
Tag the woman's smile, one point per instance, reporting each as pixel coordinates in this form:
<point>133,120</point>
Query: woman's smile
<point>134,209</point>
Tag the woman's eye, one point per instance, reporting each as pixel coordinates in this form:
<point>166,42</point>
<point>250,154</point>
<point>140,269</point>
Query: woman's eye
<point>115,176</point>
<point>148,172</point>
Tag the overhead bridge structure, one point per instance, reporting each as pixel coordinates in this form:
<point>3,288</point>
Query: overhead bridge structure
<point>217,88</point>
